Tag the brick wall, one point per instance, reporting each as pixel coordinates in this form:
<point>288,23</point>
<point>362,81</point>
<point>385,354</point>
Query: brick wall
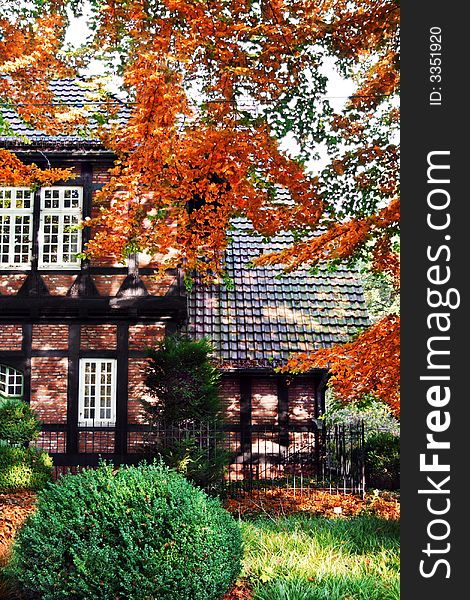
<point>52,441</point>
<point>58,285</point>
<point>11,337</point>
<point>108,285</point>
<point>98,337</point>
<point>142,335</point>
<point>137,390</point>
<point>158,287</point>
<point>101,173</point>
<point>50,337</point>
<point>230,399</point>
<point>49,388</point>
<point>10,284</point>
<point>301,399</point>
<point>264,401</point>
<point>96,441</point>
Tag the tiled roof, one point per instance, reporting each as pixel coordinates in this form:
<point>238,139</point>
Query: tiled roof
<point>264,319</point>
<point>70,92</point>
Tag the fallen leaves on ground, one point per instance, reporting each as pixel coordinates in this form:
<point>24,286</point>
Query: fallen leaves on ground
<point>14,508</point>
<point>282,502</point>
<point>242,591</point>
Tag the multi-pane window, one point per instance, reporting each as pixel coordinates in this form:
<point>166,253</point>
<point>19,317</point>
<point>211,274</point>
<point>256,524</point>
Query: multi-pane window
<point>97,392</point>
<point>11,382</point>
<point>59,235</point>
<point>16,226</point>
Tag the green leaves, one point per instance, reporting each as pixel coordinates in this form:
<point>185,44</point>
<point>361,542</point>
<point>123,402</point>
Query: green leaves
<point>18,422</point>
<point>182,380</point>
<point>136,533</point>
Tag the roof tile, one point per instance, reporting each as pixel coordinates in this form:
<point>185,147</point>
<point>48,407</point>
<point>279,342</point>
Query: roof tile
<point>266,319</point>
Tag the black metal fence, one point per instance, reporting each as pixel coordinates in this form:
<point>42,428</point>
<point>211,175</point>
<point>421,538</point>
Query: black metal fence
<point>301,456</point>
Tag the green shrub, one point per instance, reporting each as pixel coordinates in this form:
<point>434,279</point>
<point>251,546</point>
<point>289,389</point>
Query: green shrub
<point>382,461</point>
<point>23,468</point>
<point>185,410</point>
<point>182,380</point>
<point>201,461</point>
<point>138,533</point>
<point>18,423</point>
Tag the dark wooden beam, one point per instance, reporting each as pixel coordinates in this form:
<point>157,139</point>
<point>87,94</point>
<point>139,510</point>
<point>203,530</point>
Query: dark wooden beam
<point>26,347</point>
<point>245,422</point>
<point>95,270</point>
<point>72,388</point>
<point>66,309</point>
<point>283,410</point>
<point>320,392</point>
<point>122,388</point>
<point>265,372</point>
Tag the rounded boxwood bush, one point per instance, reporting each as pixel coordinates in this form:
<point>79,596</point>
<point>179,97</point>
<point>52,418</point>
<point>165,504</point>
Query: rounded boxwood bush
<point>24,468</point>
<point>134,533</point>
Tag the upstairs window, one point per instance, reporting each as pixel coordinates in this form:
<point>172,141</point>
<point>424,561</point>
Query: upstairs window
<point>16,226</point>
<point>97,392</point>
<point>60,239</point>
<point>11,382</point>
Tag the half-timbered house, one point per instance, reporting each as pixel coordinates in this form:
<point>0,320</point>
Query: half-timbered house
<point>73,332</point>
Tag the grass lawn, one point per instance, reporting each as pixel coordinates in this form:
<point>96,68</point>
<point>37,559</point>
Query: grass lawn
<point>300,557</point>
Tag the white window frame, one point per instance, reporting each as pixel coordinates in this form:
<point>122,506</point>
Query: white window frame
<point>13,213</point>
<point>96,422</point>
<point>61,212</point>
<point>6,373</point>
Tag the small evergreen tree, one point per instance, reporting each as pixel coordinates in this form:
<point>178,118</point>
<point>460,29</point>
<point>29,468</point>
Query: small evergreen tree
<point>185,412</point>
<point>183,381</point>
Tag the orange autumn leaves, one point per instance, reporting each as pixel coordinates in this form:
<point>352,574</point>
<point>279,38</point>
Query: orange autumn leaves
<point>190,141</point>
<point>367,365</point>
<point>30,56</point>
<point>13,172</point>
<point>199,147</point>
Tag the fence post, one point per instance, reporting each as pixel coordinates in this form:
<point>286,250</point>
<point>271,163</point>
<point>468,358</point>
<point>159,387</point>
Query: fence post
<point>245,427</point>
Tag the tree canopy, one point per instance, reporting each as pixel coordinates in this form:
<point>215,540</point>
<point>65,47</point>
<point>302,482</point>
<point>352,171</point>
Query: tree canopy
<point>212,87</point>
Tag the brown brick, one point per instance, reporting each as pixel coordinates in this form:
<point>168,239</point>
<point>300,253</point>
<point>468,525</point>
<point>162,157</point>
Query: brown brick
<point>158,287</point>
<point>108,285</point>
<point>104,260</point>
<point>137,390</point>
<point>50,337</point>
<point>138,441</point>
<point>10,284</point>
<point>98,337</point>
<point>142,335</point>
<point>96,441</point>
<point>58,285</point>
<point>301,399</point>
<point>49,388</point>
<point>101,173</point>
<point>230,399</point>
<point>52,441</point>
<point>11,337</point>
<point>264,401</point>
